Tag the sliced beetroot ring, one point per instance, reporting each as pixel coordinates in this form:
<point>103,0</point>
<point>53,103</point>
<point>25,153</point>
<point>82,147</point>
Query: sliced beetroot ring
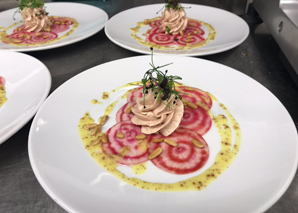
<point>184,158</point>
<point>114,145</point>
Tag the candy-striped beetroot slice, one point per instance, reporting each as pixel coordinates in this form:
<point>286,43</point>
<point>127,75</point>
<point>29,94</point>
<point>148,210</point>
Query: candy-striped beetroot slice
<point>46,36</point>
<point>135,154</point>
<point>193,30</point>
<point>195,95</point>
<point>134,94</point>
<point>181,40</point>
<point>183,159</point>
<point>192,23</point>
<point>32,37</point>
<point>2,81</point>
<point>197,120</point>
<point>63,20</point>
<point>155,24</point>
<point>59,28</point>
<point>19,37</point>
<point>155,30</point>
<point>161,39</point>
<point>19,29</point>
<point>122,115</point>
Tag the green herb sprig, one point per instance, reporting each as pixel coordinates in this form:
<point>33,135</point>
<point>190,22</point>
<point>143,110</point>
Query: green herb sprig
<point>168,29</point>
<point>163,85</point>
<point>30,4</point>
<point>175,4</point>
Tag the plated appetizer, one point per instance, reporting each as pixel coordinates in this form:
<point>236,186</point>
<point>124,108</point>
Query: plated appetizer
<point>173,30</point>
<point>3,98</point>
<point>163,122</point>
<point>37,27</point>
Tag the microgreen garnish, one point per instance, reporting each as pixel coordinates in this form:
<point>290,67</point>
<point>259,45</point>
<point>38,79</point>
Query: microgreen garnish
<point>30,4</point>
<point>175,4</point>
<point>163,85</point>
<point>168,29</point>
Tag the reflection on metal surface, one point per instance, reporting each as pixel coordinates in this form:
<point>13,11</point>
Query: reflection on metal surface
<point>281,17</point>
<point>290,8</point>
<point>280,26</point>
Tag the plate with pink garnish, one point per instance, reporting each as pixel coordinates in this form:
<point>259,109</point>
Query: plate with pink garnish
<point>177,28</point>
<point>22,91</point>
<point>155,138</point>
<point>38,26</point>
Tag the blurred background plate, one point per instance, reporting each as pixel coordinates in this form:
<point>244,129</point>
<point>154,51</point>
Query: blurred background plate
<point>230,29</point>
<point>91,20</point>
<point>28,83</point>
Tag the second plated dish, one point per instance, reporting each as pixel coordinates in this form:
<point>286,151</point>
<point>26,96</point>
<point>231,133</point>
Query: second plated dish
<point>86,21</point>
<point>230,29</point>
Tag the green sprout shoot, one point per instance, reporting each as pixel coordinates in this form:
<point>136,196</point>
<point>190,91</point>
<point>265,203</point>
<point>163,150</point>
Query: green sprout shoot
<point>164,86</point>
<point>168,29</point>
<point>29,4</point>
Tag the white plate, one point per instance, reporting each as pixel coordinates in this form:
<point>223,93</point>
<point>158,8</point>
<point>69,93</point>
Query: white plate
<point>91,20</point>
<point>259,175</point>
<point>230,29</point>
<point>28,83</point>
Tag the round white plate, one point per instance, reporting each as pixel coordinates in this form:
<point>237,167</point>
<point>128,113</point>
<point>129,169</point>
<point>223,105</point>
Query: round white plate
<point>259,175</point>
<point>28,83</point>
<point>91,20</point>
<point>230,29</point>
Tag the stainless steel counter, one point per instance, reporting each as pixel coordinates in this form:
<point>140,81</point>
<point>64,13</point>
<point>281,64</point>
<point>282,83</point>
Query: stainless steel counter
<point>257,57</point>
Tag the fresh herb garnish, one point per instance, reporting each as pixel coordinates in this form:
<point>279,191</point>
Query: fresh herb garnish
<point>163,85</point>
<point>30,4</point>
<point>175,4</point>
<point>168,29</point>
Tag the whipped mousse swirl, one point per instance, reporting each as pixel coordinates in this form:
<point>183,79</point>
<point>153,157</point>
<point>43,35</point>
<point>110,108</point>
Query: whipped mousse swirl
<point>157,115</point>
<point>35,19</point>
<point>173,20</point>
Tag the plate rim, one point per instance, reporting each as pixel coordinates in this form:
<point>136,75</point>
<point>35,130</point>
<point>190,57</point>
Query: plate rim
<point>48,85</point>
<point>68,208</point>
<point>41,48</point>
<point>187,54</point>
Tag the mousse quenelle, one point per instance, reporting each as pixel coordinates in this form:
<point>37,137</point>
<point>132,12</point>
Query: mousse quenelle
<point>156,115</point>
<point>173,21</point>
<point>35,19</point>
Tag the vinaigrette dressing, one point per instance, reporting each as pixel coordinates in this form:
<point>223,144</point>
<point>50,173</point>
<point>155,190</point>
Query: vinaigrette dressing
<point>3,98</point>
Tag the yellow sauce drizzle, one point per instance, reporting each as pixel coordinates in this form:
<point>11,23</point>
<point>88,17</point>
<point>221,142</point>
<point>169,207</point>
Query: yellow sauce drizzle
<point>139,169</point>
<point>105,96</point>
<point>3,98</point>
<point>110,108</point>
<point>95,101</point>
<point>223,159</point>
<point>211,36</point>
<point>3,35</point>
